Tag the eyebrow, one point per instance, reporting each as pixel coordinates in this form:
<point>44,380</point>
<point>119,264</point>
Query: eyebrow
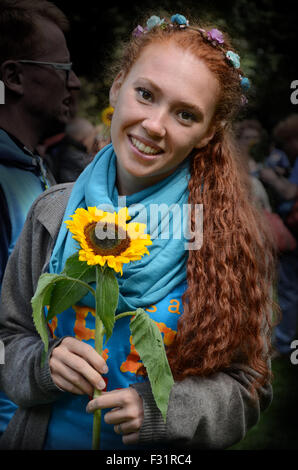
<point>192,107</point>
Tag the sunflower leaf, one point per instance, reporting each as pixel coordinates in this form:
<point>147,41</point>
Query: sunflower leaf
<point>79,269</point>
<point>148,342</point>
<point>66,292</point>
<point>41,298</point>
<point>107,294</point>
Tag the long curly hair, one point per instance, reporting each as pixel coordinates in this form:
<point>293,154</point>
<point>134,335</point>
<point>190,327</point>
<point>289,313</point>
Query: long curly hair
<point>228,303</point>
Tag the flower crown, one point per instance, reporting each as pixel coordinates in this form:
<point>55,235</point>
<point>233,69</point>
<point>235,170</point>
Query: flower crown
<point>214,37</point>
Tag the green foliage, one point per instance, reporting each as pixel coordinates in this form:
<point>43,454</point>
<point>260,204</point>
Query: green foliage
<point>40,299</point>
<point>107,294</point>
<point>149,344</point>
<point>68,291</point>
<point>59,292</point>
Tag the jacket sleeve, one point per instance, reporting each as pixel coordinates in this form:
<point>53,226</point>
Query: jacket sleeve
<point>205,413</point>
<point>22,378</point>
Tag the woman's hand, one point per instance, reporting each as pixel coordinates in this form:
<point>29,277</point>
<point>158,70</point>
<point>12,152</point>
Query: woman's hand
<point>76,367</point>
<point>127,412</point>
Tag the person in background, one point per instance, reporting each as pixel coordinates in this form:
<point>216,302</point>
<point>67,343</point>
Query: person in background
<point>285,135</point>
<point>69,156</point>
<point>36,71</point>
<point>249,134</point>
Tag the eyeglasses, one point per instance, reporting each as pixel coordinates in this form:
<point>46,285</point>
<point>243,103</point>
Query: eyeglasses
<point>58,66</point>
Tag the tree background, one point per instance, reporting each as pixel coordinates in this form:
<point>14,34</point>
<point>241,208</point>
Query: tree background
<point>264,32</point>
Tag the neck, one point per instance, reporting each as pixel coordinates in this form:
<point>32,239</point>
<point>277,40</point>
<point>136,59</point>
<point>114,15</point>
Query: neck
<point>128,184</point>
<point>20,126</point>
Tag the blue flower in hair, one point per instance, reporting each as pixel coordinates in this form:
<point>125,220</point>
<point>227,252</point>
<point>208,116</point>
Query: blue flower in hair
<point>234,58</point>
<point>245,83</point>
<point>180,19</point>
<point>154,21</point>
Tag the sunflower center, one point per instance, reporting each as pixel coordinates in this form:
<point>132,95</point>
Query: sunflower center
<point>106,239</point>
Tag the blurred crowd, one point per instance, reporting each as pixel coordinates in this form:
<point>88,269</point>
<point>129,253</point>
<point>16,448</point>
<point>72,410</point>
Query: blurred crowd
<point>272,163</point>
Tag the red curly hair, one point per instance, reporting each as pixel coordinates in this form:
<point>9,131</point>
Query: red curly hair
<point>227,305</point>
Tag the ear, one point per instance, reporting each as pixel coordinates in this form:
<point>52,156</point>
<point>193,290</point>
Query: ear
<point>12,76</point>
<point>209,135</point>
<point>115,88</point>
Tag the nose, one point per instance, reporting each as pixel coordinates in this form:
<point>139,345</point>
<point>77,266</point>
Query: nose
<point>155,124</point>
<point>73,81</point>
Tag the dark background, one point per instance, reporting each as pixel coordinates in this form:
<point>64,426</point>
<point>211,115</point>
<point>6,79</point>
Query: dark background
<point>264,32</point>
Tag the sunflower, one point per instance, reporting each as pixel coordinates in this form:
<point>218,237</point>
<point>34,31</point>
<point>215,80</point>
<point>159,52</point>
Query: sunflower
<point>105,238</point>
<point>106,115</point>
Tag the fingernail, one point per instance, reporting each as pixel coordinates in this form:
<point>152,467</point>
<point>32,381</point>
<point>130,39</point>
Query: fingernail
<point>101,385</point>
<point>105,369</point>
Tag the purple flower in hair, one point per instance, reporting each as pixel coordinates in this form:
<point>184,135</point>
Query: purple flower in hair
<point>215,35</point>
<point>138,31</point>
<point>244,100</point>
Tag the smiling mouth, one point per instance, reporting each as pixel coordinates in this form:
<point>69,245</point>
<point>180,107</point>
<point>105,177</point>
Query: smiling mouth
<point>146,149</point>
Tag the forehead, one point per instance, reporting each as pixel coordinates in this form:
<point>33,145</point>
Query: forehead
<point>179,73</point>
<point>51,41</point>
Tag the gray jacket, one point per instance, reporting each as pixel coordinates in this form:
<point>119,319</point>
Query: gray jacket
<point>204,413</point>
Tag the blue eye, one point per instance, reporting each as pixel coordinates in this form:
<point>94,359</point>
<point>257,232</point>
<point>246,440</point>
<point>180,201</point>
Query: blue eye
<point>144,94</point>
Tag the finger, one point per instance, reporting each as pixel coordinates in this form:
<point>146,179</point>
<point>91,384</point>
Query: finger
<point>72,377</point>
<point>106,400</point>
<point>87,352</point>
<point>128,427</point>
<point>65,385</point>
<point>80,366</point>
<point>132,438</point>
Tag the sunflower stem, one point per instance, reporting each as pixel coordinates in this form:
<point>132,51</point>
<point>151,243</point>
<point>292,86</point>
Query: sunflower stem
<point>99,334</point>
<point>124,314</point>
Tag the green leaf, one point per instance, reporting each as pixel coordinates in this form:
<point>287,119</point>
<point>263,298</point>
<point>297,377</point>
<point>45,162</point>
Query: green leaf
<point>107,294</point>
<point>79,269</point>
<point>68,292</point>
<point>40,299</point>
<point>148,342</point>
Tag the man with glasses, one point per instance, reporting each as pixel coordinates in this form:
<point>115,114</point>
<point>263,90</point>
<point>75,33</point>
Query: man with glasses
<point>40,84</point>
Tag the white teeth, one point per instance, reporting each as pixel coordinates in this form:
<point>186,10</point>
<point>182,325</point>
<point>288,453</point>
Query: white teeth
<point>144,148</point>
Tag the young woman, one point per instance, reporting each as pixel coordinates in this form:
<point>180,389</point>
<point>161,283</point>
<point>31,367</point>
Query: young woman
<point>174,97</point>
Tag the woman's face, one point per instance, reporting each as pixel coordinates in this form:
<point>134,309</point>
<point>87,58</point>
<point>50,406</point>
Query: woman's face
<point>163,110</point>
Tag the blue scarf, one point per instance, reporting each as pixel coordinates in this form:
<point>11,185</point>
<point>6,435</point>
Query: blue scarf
<point>149,280</point>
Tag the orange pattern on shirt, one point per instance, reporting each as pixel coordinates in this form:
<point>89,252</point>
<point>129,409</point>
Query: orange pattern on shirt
<point>53,326</point>
<point>174,307</point>
<point>80,330</point>
<point>133,363</point>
